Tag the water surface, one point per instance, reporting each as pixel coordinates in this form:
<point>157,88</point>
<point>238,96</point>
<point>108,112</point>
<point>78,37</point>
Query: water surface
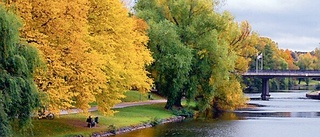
<point>288,114</point>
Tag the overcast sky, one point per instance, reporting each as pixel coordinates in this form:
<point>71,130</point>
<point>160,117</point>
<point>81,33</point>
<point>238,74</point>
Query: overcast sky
<point>293,24</point>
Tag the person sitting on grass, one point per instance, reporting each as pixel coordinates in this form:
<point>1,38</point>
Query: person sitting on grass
<point>90,122</point>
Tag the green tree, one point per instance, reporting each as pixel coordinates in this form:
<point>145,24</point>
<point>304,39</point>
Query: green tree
<point>268,62</point>
<point>172,63</point>
<point>172,58</point>
<point>196,26</point>
<point>18,62</point>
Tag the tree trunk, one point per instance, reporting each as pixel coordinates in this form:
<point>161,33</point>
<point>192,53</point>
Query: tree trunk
<point>177,101</point>
<point>169,105</point>
<point>170,102</point>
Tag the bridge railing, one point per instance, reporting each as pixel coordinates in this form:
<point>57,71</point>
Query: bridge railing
<point>283,73</point>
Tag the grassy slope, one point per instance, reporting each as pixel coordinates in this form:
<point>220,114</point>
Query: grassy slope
<point>68,125</point>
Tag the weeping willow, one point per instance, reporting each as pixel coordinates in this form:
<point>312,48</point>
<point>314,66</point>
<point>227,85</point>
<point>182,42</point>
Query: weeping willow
<point>18,93</point>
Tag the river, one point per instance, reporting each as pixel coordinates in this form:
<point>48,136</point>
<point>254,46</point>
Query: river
<point>288,114</point>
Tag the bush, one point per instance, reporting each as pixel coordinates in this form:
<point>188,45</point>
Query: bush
<point>183,112</point>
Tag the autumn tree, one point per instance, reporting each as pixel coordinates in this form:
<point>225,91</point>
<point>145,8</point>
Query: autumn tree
<point>93,51</point>
<point>240,39</point>
<point>273,59</point>
<point>241,42</point>
<point>317,59</point>
<point>59,29</point>
<point>306,62</point>
<point>18,62</point>
<point>286,55</point>
<point>120,41</point>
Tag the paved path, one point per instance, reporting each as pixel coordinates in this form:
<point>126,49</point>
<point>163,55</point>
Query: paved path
<point>120,105</point>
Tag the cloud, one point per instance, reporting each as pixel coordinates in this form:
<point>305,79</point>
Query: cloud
<point>293,24</point>
<point>297,43</point>
<point>266,6</point>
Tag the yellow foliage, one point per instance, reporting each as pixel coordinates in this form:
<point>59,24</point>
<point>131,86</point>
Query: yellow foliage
<point>121,40</point>
<point>93,50</point>
<point>286,55</point>
<point>59,29</point>
<point>240,40</point>
<point>229,95</point>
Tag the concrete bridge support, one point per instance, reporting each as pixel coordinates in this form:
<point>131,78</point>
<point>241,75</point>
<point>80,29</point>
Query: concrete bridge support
<point>265,89</point>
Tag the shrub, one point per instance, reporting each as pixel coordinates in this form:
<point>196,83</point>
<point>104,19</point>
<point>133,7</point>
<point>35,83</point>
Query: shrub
<point>183,112</point>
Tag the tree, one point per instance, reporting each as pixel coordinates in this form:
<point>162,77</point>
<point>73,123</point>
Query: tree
<point>196,26</point>
<point>59,30</point>
<point>273,59</point>
<point>173,61</point>
<point>93,51</point>
<point>241,44</point>
<point>120,41</point>
<point>286,55</point>
<point>306,62</point>
<point>18,62</point>
<point>240,40</point>
<point>172,58</point>
<point>317,57</point>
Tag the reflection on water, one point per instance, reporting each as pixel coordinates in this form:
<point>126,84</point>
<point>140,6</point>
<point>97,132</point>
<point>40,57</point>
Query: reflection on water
<point>284,115</point>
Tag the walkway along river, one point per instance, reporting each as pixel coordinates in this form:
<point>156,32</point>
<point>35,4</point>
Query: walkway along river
<point>288,114</point>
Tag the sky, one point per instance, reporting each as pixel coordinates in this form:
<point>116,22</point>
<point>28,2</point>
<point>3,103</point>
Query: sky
<point>293,24</point>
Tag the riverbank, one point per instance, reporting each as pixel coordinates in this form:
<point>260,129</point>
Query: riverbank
<point>72,125</point>
<point>150,124</point>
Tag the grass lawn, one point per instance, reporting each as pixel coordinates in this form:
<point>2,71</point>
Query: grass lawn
<point>74,124</point>
<point>134,96</point>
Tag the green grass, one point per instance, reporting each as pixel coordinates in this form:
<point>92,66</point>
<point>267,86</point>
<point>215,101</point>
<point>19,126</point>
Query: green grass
<point>135,96</point>
<point>191,104</point>
<point>138,114</point>
<point>74,124</point>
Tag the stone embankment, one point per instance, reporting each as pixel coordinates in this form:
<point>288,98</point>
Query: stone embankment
<point>113,132</point>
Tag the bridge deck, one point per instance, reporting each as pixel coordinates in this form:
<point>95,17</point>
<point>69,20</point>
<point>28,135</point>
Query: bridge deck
<point>283,73</point>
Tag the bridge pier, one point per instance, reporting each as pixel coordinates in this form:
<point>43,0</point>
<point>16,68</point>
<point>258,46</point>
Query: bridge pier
<point>265,89</point>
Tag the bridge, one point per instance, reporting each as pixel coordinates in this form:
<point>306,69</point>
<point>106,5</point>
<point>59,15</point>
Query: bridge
<point>265,75</point>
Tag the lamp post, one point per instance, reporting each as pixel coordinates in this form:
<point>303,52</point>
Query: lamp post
<point>257,62</point>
